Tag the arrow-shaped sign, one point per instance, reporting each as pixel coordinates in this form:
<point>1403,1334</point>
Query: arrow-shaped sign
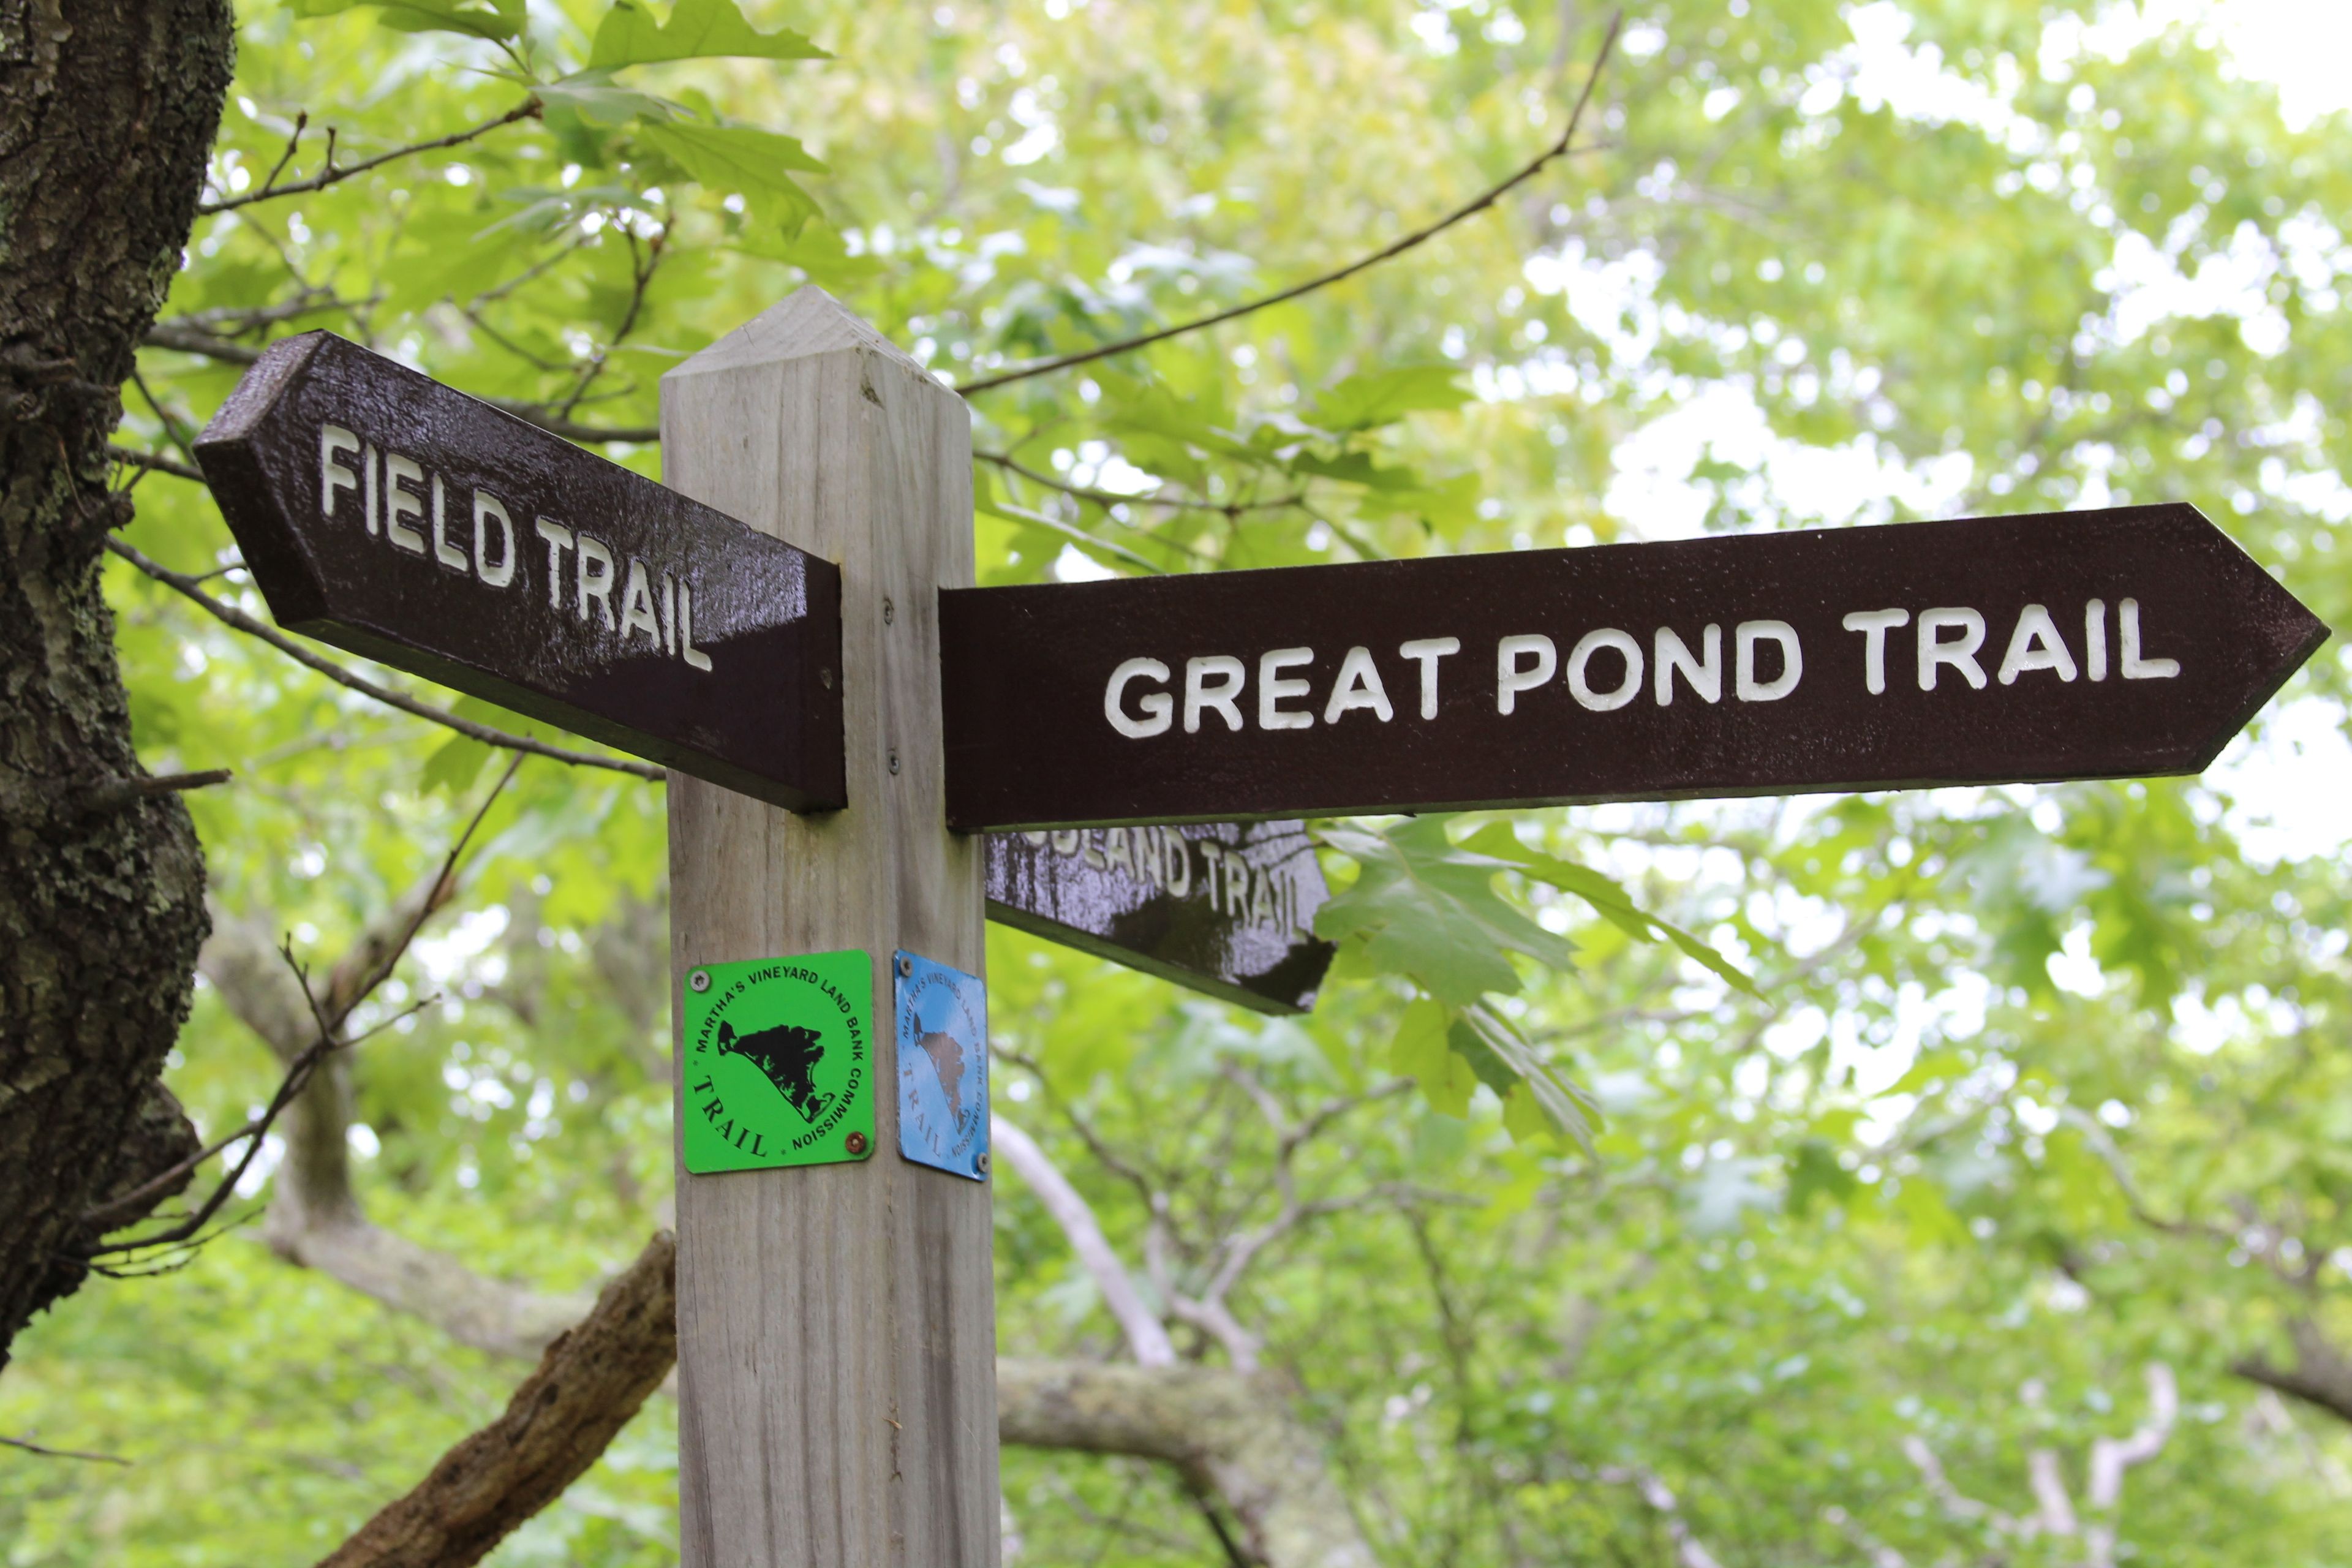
<point>391,515</point>
<point>2126,643</point>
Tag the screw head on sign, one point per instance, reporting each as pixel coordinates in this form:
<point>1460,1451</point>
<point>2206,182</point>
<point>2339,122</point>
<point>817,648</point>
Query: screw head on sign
<point>906,966</point>
<point>855,1142</point>
<point>699,980</point>
<point>824,678</point>
<point>980,1161</point>
<point>890,612</point>
<point>893,762</point>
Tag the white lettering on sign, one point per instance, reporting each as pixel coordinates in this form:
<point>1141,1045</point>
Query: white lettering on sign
<point>1607,639</point>
<point>1608,668</point>
<point>622,596</point>
<point>1163,858</point>
<point>1753,635</point>
<point>2035,644</point>
<point>1152,712</point>
<point>1512,676</point>
<point>1426,652</point>
<point>1874,626</point>
<point>1673,654</point>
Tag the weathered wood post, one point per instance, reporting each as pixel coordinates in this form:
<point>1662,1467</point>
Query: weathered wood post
<point>836,1323</point>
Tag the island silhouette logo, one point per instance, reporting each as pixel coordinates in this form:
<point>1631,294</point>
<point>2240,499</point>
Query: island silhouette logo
<point>777,1062</point>
<point>942,1036</point>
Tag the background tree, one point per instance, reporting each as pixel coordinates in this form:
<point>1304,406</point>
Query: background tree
<point>2003,1227</point>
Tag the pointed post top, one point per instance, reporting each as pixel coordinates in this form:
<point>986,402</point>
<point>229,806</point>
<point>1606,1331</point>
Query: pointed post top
<point>808,322</point>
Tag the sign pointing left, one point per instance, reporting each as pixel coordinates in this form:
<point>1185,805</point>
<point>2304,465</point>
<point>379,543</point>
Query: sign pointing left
<point>396,517</point>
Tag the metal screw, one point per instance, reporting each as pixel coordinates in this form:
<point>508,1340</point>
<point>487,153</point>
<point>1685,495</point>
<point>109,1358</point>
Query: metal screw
<point>825,678</point>
<point>906,966</point>
<point>698,981</point>
<point>855,1142</point>
<point>893,762</point>
<point>980,1161</point>
<point>890,612</point>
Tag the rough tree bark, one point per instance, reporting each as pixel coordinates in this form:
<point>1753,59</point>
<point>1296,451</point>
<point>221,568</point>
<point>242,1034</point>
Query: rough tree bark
<point>107,113</point>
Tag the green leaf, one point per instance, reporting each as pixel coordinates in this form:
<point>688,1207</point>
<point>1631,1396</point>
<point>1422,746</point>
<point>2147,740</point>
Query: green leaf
<point>1607,900</point>
<point>1480,1032</point>
<point>1384,396</point>
<point>1423,908</point>
<point>696,30</point>
<point>1815,1172</point>
<point>499,21</point>
<point>594,97</point>
<point>454,764</point>
<point>739,158</point>
<point>1422,1052</point>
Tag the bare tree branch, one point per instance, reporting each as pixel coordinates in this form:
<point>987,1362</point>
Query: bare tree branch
<point>155,462</point>
<point>328,1020</point>
<point>28,1446</point>
<point>331,174</point>
<point>2321,1376</point>
<point>1388,252</point>
<point>592,1380</point>
<point>1689,1551</point>
<point>1112,498</point>
<point>229,614</point>
<point>1146,1337</point>
<point>193,340</point>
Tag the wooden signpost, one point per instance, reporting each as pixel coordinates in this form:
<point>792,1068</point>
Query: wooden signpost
<point>800,641</point>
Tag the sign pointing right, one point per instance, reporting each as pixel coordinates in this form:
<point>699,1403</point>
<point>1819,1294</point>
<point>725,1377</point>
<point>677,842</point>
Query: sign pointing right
<point>2124,643</point>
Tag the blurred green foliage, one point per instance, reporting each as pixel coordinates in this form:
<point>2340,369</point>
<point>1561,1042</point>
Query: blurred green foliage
<point>1934,1117</point>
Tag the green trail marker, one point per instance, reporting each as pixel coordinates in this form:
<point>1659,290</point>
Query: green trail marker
<point>778,1065</point>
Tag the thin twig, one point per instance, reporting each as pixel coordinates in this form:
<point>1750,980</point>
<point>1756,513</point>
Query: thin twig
<point>330,175</point>
<point>1112,498</point>
<point>1418,236</point>
<point>208,345</point>
<point>329,1021</point>
<point>154,462</point>
<point>49,1453</point>
<point>1075,534</point>
<point>171,431</point>
<point>229,614</point>
<point>642,267</point>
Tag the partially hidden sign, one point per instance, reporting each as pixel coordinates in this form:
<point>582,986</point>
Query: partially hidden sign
<point>1223,908</point>
<point>2123,643</point>
<point>391,515</point>
<point>942,1016</point>
<point>780,1062</point>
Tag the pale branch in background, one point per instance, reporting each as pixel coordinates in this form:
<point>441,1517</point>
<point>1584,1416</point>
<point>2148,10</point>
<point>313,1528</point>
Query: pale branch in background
<point>229,614</point>
<point>1689,1550</point>
<point>333,174</point>
<point>2054,1515</point>
<point>1147,1339</point>
<point>1479,204</point>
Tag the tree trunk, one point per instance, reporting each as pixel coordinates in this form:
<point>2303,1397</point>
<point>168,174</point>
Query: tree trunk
<point>107,113</point>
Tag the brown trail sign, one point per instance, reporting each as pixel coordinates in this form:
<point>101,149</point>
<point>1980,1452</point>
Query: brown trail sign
<point>2111,644</point>
<point>1219,906</point>
<point>391,515</point>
